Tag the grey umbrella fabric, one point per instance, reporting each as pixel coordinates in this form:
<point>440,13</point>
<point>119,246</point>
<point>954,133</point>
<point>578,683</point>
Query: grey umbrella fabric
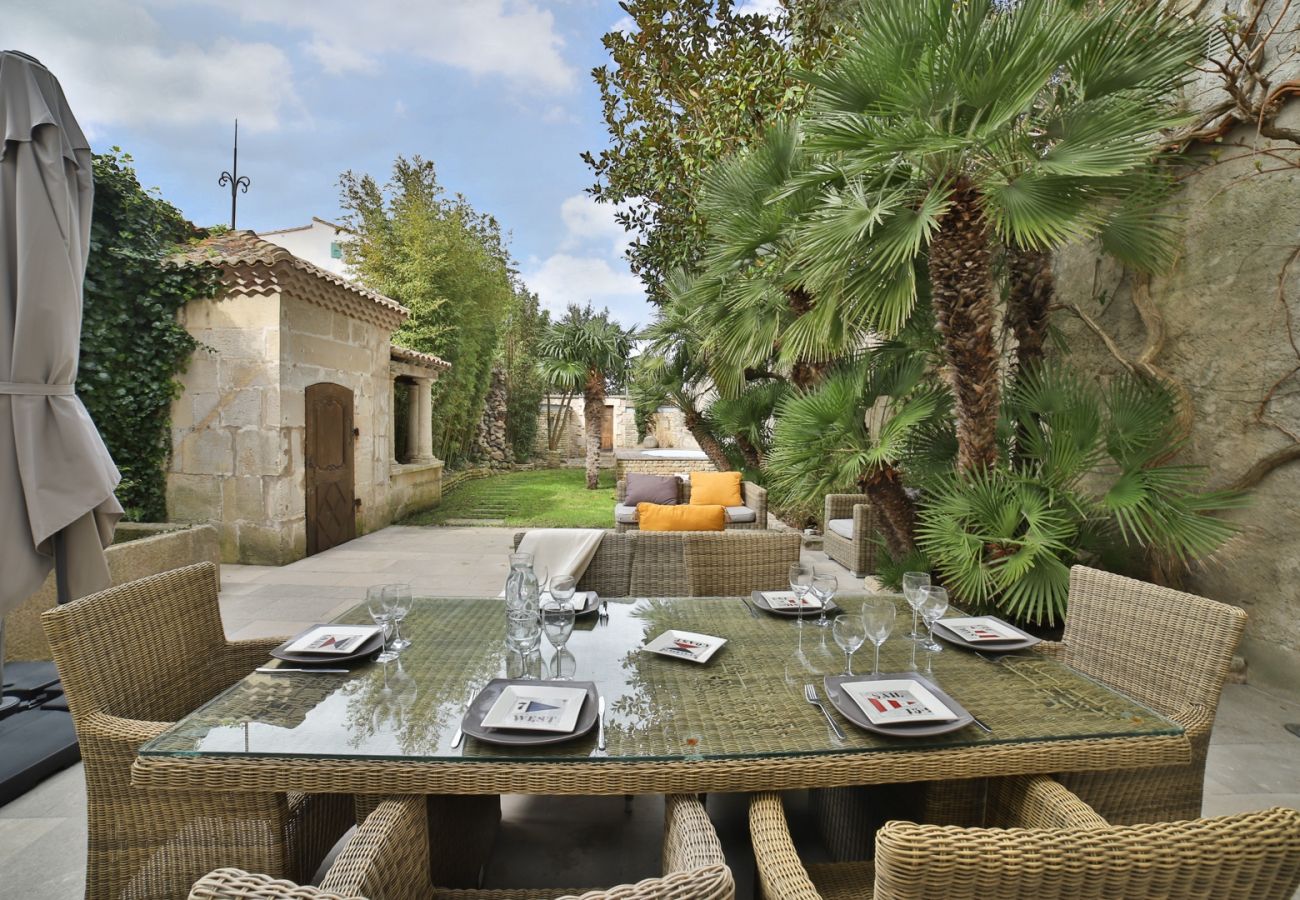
<point>55,473</point>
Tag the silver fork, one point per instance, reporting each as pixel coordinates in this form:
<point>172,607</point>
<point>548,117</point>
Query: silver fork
<point>810,693</point>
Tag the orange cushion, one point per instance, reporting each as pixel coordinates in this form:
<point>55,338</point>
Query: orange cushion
<point>716,489</point>
<point>689,517</point>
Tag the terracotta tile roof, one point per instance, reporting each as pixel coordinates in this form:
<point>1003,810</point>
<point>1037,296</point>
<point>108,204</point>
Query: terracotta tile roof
<point>242,254</point>
<point>415,357</point>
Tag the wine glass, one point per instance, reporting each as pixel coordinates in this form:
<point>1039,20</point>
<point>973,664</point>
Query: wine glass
<point>398,598</point>
<point>934,603</point>
<point>878,614</point>
<point>557,625</point>
<point>823,588</point>
<point>563,588</point>
<point>543,581</point>
<point>377,605</point>
<point>912,584</point>
<point>801,578</point>
<point>564,666</point>
<point>849,633</point>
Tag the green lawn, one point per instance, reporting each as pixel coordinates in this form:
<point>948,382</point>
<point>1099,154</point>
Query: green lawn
<point>543,498</point>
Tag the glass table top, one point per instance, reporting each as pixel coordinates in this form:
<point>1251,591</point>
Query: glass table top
<point>747,701</point>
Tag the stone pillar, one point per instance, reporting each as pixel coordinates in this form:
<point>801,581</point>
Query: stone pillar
<point>419,434</point>
<point>392,419</point>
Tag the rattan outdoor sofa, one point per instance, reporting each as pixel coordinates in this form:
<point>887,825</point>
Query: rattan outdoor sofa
<point>752,516</point>
<point>849,532</point>
<point>1038,841</point>
<point>1167,649</point>
<point>133,659</point>
<point>689,563</point>
<point>388,859</point>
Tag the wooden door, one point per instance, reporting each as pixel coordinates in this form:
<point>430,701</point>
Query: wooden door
<point>607,429</point>
<point>331,512</point>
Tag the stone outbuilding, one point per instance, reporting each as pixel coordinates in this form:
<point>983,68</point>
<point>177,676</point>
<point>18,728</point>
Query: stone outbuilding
<point>284,436</point>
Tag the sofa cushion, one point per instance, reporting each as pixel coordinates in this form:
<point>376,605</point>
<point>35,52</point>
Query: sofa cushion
<point>687,517</point>
<point>643,488</point>
<point>716,489</point>
<point>842,527</point>
<point>625,514</point>
<point>741,514</point>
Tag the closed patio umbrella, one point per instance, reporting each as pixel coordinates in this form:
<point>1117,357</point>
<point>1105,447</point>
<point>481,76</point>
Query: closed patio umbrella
<point>56,476</point>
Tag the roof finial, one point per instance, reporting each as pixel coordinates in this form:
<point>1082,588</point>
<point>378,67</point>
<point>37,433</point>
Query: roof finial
<point>236,181</point>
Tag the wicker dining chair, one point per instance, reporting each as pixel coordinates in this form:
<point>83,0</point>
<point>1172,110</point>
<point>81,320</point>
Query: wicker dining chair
<point>852,538</point>
<point>1040,842</point>
<point>1165,648</point>
<point>721,565</point>
<point>133,660</point>
<point>388,859</point>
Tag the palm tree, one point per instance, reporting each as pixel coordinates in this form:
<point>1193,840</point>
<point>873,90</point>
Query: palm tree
<point>948,131</point>
<point>587,349</point>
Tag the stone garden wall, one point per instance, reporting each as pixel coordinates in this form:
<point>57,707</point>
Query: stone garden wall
<point>1221,325</point>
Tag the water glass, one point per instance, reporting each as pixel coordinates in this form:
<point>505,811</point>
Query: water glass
<point>398,599</point>
<point>377,605</point>
<point>878,614</point>
<point>912,584</point>
<point>564,665</point>
<point>849,633</point>
<point>934,603</point>
<point>563,588</point>
<point>557,623</point>
<point>824,588</point>
<point>801,578</point>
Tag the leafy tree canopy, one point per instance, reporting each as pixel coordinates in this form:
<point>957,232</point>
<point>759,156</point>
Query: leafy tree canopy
<point>689,83</point>
<point>448,263</point>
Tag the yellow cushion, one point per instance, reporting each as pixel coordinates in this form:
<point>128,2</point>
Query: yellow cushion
<point>716,489</point>
<point>689,517</point>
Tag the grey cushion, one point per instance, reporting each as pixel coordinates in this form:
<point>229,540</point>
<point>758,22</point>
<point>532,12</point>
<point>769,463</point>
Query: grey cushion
<point>740,514</point>
<point>842,527</point>
<point>625,514</point>
<point>643,488</point>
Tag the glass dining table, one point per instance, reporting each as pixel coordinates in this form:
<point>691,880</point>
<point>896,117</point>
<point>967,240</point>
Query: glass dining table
<point>740,722</point>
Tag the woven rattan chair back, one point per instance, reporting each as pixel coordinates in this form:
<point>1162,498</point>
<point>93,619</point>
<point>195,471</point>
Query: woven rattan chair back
<point>1164,647</point>
<point>148,649</point>
<point>728,565</point>
<point>1255,855</point>
<point>1170,650</point>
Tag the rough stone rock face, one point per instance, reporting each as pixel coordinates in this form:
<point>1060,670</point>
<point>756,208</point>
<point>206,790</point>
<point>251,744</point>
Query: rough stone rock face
<point>1230,338</point>
<point>490,443</point>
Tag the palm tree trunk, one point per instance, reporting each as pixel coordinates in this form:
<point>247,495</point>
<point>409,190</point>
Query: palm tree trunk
<point>1032,289</point>
<point>803,374</point>
<point>962,285</point>
<point>753,458</point>
<point>695,424</point>
<point>594,419</point>
<point>884,485</point>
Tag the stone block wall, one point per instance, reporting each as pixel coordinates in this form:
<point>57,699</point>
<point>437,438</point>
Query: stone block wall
<point>652,466</point>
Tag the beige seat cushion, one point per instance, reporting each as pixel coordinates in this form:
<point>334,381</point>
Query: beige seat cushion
<point>625,514</point>
<point>740,514</point>
<point>842,527</point>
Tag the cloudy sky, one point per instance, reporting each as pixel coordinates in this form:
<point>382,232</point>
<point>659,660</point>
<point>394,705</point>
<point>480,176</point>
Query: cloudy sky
<point>497,93</point>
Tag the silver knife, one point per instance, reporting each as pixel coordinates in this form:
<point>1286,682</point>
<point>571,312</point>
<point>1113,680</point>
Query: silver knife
<point>272,670</point>
<point>600,734</point>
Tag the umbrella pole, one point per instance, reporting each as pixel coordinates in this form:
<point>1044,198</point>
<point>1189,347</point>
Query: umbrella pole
<point>6,703</point>
<point>61,567</point>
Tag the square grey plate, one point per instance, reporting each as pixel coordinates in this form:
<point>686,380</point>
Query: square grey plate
<point>1024,641</point>
<point>761,602</point>
<point>371,646</point>
<point>851,711</point>
<point>473,725</point>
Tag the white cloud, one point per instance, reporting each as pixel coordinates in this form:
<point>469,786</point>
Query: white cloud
<point>399,109</point>
<point>625,25</point>
<point>515,39</point>
<point>587,222</point>
<point>117,66</point>
<point>769,8</point>
<point>562,279</point>
<point>558,115</point>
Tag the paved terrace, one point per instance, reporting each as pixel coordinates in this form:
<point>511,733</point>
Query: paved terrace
<point>1254,762</point>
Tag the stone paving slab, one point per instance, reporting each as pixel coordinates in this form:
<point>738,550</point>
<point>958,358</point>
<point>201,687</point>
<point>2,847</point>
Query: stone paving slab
<point>1253,762</point>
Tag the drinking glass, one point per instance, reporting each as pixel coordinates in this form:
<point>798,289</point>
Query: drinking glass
<point>398,599</point>
<point>934,603</point>
<point>849,633</point>
<point>801,578</point>
<point>557,623</point>
<point>823,588</point>
<point>564,665</point>
<point>912,584</point>
<point>878,614</point>
<point>377,604</point>
<point>563,588</point>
